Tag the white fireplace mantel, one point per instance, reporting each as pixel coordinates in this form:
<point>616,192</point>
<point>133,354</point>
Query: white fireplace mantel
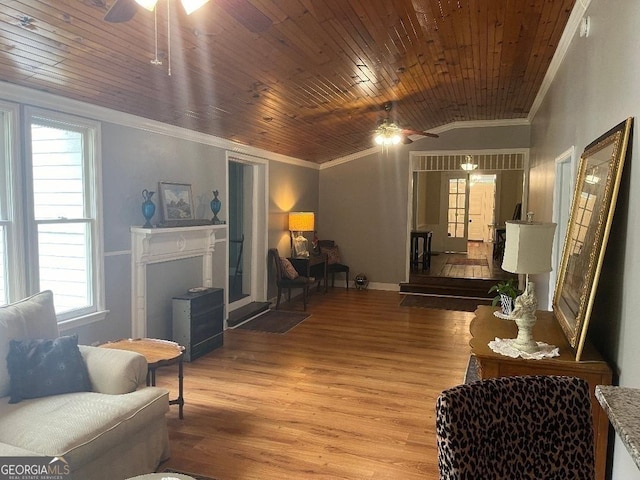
<point>157,245</point>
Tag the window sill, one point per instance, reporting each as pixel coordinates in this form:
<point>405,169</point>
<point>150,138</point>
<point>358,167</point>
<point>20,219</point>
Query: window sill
<point>82,321</point>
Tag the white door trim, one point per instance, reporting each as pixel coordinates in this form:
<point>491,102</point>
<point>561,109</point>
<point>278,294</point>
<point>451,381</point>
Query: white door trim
<point>259,227</point>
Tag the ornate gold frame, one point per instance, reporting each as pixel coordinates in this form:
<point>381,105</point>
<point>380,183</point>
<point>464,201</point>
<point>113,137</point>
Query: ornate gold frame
<point>592,209</point>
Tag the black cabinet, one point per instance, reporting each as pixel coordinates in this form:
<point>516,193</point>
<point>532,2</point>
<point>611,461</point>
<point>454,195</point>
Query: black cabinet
<point>198,321</point>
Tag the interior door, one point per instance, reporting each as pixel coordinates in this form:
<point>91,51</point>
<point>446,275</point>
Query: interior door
<point>455,205</point>
<point>482,193</point>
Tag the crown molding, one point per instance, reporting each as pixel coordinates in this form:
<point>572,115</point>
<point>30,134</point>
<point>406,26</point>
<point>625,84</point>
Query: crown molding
<point>40,99</point>
<point>443,128</point>
<point>573,24</point>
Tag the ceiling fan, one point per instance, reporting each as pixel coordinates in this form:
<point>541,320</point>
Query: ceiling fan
<point>242,10</point>
<point>389,133</point>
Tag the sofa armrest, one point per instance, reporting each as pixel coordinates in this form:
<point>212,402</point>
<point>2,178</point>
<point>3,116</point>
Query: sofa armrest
<point>114,371</point>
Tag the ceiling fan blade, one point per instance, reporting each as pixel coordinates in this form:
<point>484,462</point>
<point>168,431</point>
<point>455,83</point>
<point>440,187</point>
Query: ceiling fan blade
<point>406,140</point>
<point>408,131</point>
<point>246,14</point>
<point>121,11</point>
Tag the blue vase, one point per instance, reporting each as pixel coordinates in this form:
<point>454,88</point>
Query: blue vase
<point>216,205</point>
<point>148,208</point>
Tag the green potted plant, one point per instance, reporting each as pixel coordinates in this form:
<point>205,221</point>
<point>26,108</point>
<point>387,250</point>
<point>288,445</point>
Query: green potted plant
<point>507,291</point>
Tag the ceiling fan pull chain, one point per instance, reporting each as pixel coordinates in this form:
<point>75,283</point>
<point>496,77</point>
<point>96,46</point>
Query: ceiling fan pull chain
<point>155,61</point>
<point>168,39</point>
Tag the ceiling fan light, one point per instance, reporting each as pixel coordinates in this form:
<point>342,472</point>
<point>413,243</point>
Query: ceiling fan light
<point>388,134</point>
<point>148,4</point>
<point>191,6</point>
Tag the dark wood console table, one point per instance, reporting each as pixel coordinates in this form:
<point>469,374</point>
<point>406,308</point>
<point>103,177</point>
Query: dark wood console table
<point>309,266</point>
<point>485,327</point>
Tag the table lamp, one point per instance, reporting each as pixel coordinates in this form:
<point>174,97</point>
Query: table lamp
<point>300,222</point>
<point>527,251</point>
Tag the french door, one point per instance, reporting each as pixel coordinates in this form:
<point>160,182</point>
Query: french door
<point>455,207</point>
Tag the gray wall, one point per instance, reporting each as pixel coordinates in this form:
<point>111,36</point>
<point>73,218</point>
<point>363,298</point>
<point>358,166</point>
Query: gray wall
<point>364,202</point>
<point>134,159</point>
<point>291,189</point>
<point>595,89</point>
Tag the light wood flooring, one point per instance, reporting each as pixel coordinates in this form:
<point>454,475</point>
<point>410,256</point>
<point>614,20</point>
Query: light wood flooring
<point>347,394</point>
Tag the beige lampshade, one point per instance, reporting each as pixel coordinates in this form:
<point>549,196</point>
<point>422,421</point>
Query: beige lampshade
<point>301,221</point>
<point>528,247</point>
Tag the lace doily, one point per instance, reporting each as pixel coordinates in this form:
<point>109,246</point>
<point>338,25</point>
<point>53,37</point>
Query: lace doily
<point>503,346</point>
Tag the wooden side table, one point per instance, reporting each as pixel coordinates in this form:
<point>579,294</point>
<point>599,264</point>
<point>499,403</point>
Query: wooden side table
<point>485,327</point>
<point>159,353</point>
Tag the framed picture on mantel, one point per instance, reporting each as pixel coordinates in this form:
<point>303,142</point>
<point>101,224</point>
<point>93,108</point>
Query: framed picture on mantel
<point>177,202</point>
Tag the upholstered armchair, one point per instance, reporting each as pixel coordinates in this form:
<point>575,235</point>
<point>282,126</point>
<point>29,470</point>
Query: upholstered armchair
<point>528,427</point>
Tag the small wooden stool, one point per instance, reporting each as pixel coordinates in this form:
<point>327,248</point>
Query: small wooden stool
<point>416,235</point>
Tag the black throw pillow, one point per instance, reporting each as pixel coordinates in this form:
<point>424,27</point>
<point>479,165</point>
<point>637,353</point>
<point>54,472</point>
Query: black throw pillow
<point>38,368</point>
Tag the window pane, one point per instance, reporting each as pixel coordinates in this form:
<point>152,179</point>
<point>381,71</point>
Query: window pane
<point>58,183</point>
<point>63,258</point>
<point>456,207</point>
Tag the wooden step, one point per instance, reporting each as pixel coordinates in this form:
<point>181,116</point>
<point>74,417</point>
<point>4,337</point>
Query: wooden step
<point>248,311</point>
<point>448,286</point>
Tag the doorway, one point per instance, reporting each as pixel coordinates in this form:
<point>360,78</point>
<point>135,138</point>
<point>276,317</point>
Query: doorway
<point>562,196</point>
<point>247,229</point>
<point>240,182</point>
<point>462,209</point>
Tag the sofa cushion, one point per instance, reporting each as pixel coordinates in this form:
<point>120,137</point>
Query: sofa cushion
<point>39,368</point>
<point>33,317</point>
<point>80,426</point>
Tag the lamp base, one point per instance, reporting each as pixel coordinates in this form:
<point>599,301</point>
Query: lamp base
<point>525,318</point>
<point>525,342</point>
<point>300,248</point>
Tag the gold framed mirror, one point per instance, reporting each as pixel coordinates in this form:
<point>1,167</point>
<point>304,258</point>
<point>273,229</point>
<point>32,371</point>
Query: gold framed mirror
<point>592,209</point>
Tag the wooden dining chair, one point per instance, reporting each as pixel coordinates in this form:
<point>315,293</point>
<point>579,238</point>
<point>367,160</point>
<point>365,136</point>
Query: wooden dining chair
<point>334,261</point>
<point>287,278</point>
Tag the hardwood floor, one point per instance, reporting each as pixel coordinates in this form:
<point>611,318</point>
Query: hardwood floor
<point>347,394</point>
<point>481,264</point>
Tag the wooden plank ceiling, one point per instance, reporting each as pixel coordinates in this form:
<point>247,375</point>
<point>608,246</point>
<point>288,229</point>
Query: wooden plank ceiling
<point>304,78</point>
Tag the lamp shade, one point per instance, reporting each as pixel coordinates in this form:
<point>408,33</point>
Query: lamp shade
<point>301,221</point>
<point>528,247</point>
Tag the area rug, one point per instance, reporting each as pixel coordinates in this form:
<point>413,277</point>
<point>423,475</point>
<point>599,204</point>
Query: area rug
<point>471,374</point>
<point>462,304</point>
<point>481,262</point>
<point>194,475</point>
<point>274,321</point>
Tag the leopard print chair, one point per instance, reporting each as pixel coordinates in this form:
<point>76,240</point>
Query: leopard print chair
<point>529,427</point>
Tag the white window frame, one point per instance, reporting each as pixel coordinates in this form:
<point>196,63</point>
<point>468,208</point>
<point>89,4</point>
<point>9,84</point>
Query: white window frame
<point>91,131</point>
<point>11,213</point>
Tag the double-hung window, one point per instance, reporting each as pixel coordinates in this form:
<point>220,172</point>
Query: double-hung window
<point>11,258</point>
<point>60,198</point>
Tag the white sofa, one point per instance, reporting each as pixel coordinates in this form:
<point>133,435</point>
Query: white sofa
<point>115,431</point>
